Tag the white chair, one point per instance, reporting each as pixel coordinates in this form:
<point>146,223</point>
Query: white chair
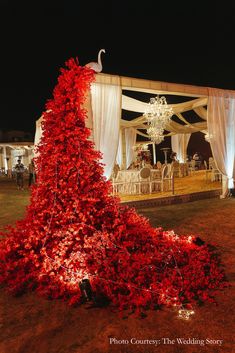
<point>169,177</point>
<point>155,175</point>
<point>215,173</point>
<point>207,170</point>
<point>144,180</point>
<point>192,166</point>
<point>118,184</point>
<point>165,180</point>
<point>176,166</point>
<point>211,161</point>
<point>183,169</point>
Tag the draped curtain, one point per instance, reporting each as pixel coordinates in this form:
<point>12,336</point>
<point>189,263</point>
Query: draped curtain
<point>130,137</point>
<point>119,151</point>
<point>179,144</point>
<point>38,134</point>
<point>106,111</point>
<point>221,129</point>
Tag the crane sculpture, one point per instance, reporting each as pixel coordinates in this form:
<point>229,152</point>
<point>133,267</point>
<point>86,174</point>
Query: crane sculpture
<point>96,66</point>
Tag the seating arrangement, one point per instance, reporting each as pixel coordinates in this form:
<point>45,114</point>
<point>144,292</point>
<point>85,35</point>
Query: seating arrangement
<point>149,180</point>
<point>132,181</point>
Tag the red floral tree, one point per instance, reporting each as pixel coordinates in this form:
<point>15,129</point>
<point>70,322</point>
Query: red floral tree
<point>75,229</point>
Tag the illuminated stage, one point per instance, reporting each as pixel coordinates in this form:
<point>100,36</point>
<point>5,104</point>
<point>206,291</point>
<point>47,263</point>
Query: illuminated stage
<point>189,188</point>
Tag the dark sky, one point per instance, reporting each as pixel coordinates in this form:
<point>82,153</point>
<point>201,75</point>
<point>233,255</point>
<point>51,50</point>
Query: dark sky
<point>185,42</point>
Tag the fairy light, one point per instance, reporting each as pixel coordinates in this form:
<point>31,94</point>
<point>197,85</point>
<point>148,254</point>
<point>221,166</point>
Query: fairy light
<point>185,314</point>
<point>190,239</point>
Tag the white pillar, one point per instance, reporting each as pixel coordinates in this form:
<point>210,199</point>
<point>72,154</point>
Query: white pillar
<point>11,158</point>
<point>154,153</point>
<point>2,158</point>
<point>5,159</point>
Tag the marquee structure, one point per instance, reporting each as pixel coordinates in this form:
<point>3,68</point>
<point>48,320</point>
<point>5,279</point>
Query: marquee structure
<point>10,152</point>
<point>115,136</point>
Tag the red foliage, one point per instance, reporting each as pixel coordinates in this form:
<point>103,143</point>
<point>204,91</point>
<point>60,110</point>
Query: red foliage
<point>74,228</point>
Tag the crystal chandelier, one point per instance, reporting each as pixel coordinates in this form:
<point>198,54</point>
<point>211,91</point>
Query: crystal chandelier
<point>157,115</point>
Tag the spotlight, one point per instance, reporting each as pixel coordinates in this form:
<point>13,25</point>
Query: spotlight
<point>86,290</point>
<point>232,192</point>
<point>198,241</point>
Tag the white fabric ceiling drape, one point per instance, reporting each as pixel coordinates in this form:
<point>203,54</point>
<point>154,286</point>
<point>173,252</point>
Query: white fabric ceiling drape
<point>106,110</point>
<point>136,105</point>
<point>221,129</point>
<point>179,144</point>
<point>130,137</point>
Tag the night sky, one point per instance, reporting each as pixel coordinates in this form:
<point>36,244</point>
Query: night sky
<point>169,41</point>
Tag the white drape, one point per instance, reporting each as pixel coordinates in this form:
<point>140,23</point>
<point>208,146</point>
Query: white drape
<point>106,111</point>
<point>38,134</point>
<point>130,137</point>
<point>136,105</point>
<point>119,151</point>
<point>179,144</point>
<point>221,129</point>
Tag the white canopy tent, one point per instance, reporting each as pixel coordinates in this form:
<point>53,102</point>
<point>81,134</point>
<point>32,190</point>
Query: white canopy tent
<point>10,152</point>
<point>114,136</point>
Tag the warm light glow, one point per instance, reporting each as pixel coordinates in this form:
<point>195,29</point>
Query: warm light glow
<point>208,137</point>
<point>185,314</point>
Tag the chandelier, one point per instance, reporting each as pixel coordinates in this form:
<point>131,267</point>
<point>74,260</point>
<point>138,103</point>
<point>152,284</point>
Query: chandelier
<point>158,116</point>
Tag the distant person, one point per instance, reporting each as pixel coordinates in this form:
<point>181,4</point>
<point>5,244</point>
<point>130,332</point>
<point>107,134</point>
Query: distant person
<point>19,170</point>
<point>9,173</point>
<point>173,156</point>
<point>32,174</point>
<point>196,158</point>
<point>189,158</point>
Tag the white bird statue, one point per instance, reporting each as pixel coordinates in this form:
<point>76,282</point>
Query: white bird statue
<point>97,66</point>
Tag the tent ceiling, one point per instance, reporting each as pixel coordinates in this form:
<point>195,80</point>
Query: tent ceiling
<point>154,87</point>
<point>196,105</point>
<point>134,105</point>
